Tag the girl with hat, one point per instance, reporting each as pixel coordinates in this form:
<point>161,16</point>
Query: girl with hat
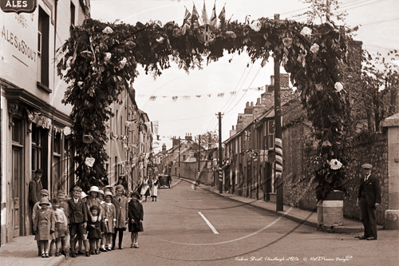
<point>44,227</point>
<point>136,215</point>
<point>109,220</point>
<point>93,227</point>
<point>121,204</point>
<point>93,200</point>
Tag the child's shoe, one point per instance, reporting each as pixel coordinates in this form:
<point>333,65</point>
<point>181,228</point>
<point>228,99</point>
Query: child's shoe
<point>43,255</point>
<point>92,252</point>
<point>57,254</point>
<point>66,254</point>
<point>87,254</point>
<point>97,252</point>
<point>73,254</point>
<point>47,255</point>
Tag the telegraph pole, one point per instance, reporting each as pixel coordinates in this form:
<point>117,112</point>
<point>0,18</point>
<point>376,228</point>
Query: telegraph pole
<point>278,147</point>
<point>220,152</point>
<point>179,156</point>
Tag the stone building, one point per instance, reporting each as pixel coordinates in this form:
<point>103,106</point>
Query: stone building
<point>34,123</point>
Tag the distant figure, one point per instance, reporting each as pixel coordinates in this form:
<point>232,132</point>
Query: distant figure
<point>154,188</point>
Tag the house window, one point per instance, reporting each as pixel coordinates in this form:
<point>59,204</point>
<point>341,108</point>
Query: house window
<point>37,148</point>
<point>270,134</point>
<point>184,158</point>
<point>43,49</point>
<point>72,14</point>
<point>68,165</point>
<point>116,123</point>
<point>116,168</point>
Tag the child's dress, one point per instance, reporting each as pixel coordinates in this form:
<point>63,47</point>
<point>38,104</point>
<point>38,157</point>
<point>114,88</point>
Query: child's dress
<point>93,226</point>
<point>109,218</point>
<point>45,225</point>
<point>61,223</point>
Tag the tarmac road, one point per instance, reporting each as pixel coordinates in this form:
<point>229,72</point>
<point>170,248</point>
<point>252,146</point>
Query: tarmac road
<point>197,227</point>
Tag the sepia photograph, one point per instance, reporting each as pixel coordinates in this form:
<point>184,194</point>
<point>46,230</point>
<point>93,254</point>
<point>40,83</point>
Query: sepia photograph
<point>199,132</point>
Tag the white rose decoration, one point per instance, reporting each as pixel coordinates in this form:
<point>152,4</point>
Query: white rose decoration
<point>123,62</point>
<point>108,30</point>
<point>314,48</point>
<point>256,25</point>
<point>160,39</point>
<point>107,56</point>
<point>306,31</point>
<point>90,161</point>
<point>338,86</point>
<point>335,164</point>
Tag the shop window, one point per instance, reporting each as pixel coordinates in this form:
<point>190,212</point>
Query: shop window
<point>58,181</point>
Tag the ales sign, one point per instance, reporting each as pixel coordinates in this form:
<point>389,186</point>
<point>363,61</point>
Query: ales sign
<point>18,6</point>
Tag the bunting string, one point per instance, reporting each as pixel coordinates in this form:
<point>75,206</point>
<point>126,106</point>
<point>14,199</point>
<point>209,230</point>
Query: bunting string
<point>188,97</point>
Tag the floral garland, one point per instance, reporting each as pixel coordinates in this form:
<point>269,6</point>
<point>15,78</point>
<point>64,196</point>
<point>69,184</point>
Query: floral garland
<point>99,60</point>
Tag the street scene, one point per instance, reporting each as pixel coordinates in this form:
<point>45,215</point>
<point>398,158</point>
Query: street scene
<point>176,132</point>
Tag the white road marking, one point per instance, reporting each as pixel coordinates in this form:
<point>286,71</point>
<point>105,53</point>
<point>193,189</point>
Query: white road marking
<point>209,224</point>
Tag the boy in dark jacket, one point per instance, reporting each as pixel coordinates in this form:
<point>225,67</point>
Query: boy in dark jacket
<point>78,220</point>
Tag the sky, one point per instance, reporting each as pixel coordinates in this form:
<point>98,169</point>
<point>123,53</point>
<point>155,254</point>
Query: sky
<point>378,21</point>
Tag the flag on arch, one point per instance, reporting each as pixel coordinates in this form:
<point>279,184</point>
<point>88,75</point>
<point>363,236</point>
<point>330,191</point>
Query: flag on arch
<point>213,20</point>
<point>222,17</point>
<point>194,18</point>
<point>204,15</point>
<point>187,19</point>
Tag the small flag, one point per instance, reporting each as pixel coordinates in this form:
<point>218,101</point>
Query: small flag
<point>174,98</point>
<point>222,17</point>
<point>220,94</point>
<point>232,93</point>
<point>194,18</point>
<point>187,21</point>
<point>209,95</point>
<point>213,17</point>
<point>198,96</point>
<point>204,15</point>
<point>153,98</point>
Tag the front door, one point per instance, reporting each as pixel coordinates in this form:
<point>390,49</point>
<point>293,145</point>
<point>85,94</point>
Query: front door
<point>16,189</point>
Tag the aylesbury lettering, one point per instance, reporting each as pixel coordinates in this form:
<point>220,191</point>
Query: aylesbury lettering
<point>19,44</point>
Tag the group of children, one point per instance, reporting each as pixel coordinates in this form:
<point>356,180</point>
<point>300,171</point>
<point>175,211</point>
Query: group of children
<point>92,221</point>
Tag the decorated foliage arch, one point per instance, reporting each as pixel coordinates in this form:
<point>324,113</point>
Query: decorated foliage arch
<point>100,60</point>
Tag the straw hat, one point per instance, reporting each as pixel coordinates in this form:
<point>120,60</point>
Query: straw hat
<point>83,195</point>
<point>108,193</point>
<point>94,189</point>
<point>100,191</point>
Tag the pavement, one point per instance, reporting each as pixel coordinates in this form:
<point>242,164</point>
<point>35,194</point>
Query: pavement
<point>23,250</point>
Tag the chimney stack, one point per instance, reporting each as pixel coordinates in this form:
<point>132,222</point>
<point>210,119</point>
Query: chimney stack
<point>164,147</point>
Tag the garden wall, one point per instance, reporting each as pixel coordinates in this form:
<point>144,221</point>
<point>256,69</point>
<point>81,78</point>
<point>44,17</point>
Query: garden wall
<point>298,187</point>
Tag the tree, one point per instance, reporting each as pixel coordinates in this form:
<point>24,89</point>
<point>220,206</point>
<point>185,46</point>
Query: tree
<point>324,10</point>
<point>209,140</point>
<point>380,77</point>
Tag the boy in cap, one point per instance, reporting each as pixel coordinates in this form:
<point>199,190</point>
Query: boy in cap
<point>369,197</point>
<point>78,220</point>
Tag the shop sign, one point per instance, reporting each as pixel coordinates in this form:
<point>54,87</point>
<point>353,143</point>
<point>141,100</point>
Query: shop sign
<point>18,6</point>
